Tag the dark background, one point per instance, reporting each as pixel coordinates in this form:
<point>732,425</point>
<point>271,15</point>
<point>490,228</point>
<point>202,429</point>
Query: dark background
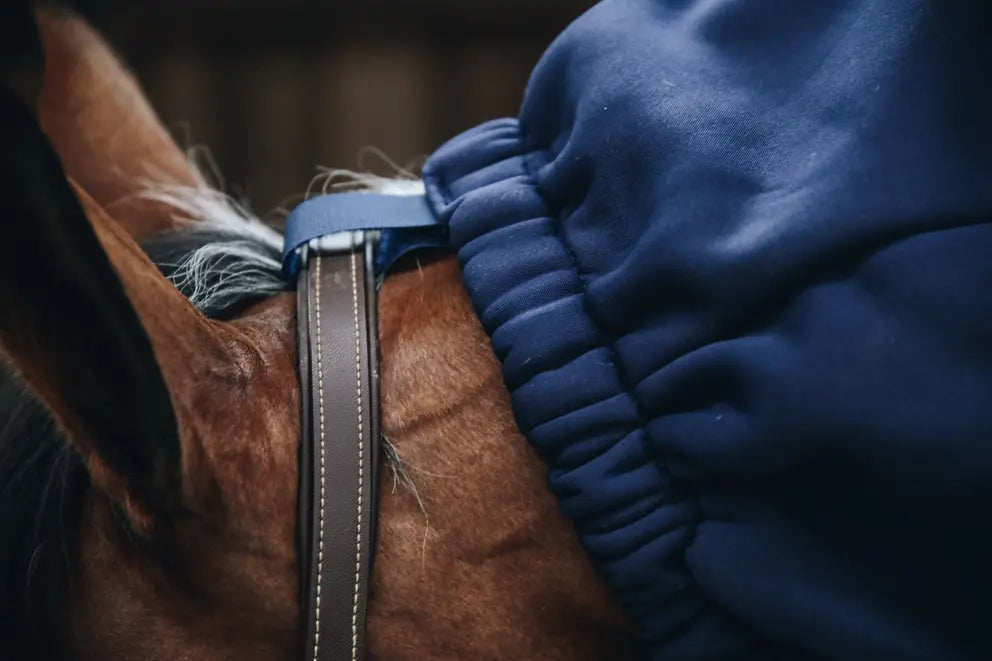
<point>274,88</point>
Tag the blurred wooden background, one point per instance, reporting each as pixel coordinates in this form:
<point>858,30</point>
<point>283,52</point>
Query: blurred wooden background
<point>276,87</point>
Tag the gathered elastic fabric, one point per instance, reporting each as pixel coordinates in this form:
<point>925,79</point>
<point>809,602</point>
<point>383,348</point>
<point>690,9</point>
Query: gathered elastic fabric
<point>738,282</point>
<point>568,386</point>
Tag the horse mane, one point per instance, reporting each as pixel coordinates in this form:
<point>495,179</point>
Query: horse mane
<point>222,263</point>
<point>224,260</point>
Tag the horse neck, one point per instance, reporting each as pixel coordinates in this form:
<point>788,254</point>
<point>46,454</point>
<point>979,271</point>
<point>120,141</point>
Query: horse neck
<point>474,558</point>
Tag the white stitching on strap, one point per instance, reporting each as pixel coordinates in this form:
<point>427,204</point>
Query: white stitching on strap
<point>320,407</point>
<point>361,459</point>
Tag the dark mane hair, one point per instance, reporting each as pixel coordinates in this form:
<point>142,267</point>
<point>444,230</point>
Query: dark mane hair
<point>43,482</point>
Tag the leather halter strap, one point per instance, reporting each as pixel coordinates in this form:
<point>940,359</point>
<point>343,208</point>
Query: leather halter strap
<point>336,307</point>
<point>327,245</point>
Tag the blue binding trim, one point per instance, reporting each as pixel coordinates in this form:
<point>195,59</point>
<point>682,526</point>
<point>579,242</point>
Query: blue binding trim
<point>406,220</point>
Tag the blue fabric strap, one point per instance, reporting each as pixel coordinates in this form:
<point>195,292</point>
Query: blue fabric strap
<point>406,220</point>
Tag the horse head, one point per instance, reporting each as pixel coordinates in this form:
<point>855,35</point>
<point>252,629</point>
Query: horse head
<point>172,466</point>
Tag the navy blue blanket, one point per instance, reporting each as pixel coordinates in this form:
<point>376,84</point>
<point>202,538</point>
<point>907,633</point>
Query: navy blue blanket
<point>735,258</point>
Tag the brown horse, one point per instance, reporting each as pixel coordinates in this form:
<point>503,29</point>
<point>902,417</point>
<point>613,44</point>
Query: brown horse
<point>155,518</point>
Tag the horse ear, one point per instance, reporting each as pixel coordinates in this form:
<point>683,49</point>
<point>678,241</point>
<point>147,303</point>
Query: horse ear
<point>107,342</point>
<point>106,134</point>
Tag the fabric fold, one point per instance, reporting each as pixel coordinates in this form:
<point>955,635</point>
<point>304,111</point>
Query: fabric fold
<point>734,262</point>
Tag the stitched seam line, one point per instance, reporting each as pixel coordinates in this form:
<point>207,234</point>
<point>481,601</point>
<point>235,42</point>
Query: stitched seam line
<point>320,406</point>
<point>361,459</point>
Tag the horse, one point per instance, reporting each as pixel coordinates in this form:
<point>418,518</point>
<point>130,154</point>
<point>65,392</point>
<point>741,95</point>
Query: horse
<point>150,420</point>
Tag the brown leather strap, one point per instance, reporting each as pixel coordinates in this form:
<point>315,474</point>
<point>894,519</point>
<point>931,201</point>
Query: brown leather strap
<point>339,448</point>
